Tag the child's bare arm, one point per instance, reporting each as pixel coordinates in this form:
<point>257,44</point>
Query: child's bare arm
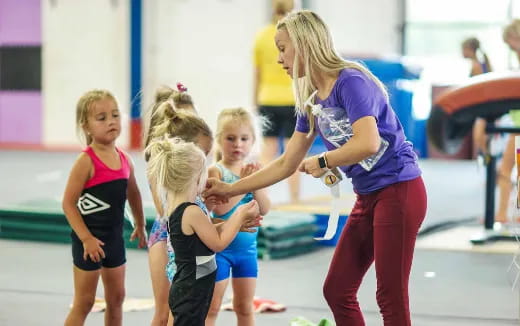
<point>213,172</point>
<point>80,173</point>
<point>194,220</point>
<point>261,196</point>
<point>78,176</point>
<point>223,208</point>
<point>264,203</point>
<point>136,205</point>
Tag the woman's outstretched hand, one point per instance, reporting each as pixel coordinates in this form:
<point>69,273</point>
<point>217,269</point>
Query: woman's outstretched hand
<point>217,190</point>
<point>311,166</point>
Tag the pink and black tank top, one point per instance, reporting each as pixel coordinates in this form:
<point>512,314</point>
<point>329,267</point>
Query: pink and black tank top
<point>102,200</point>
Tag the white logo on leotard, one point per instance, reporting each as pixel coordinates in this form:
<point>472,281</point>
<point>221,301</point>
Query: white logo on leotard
<point>88,204</point>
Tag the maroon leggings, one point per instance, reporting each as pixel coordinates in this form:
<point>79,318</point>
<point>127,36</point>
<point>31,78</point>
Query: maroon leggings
<point>382,227</point>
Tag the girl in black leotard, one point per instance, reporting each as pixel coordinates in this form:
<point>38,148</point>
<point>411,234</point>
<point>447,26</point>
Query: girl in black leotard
<point>178,169</point>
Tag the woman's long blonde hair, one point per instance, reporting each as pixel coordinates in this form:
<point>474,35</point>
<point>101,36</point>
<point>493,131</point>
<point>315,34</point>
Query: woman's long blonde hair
<point>174,166</point>
<point>313,46</point>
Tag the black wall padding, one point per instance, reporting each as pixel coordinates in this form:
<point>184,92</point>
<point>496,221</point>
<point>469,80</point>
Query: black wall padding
<point>446,132</point>
<point>20,68</point>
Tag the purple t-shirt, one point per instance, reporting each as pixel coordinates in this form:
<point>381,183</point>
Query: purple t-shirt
<point>355,96</point>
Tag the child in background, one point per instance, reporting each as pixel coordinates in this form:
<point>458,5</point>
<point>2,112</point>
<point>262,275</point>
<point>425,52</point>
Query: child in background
<point>479,60</point>
<point>479,65</point>
<point>179,170</point>
<point>99,183</point>
<point>165,120</point>
<point>236,135</point>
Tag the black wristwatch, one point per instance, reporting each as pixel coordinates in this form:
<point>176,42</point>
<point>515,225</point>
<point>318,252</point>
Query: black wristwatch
<point>322,161</point>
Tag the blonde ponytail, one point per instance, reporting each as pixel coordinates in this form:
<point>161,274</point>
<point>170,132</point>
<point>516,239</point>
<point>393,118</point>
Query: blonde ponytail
<point>314,47</point>
<point>174,166</point>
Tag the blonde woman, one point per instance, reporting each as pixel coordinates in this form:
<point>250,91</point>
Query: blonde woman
<point>348,107</point>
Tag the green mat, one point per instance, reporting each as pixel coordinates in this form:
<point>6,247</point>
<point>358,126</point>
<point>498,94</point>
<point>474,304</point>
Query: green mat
<point>285,243</point>
<point>44,220</point>
<point>285,234</point>
<point>267,254</point>
<point>300,321</point>
<point>281,224</point>
<point>282,234</point>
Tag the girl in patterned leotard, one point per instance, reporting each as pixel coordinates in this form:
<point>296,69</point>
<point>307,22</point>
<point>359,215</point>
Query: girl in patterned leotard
<point>178,170</point>
<point>172,114</point>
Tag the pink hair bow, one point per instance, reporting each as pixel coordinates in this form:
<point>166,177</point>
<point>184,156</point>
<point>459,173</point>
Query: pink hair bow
<point>181,88</point>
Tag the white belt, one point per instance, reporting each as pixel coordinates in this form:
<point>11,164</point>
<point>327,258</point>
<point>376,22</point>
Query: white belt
<point>332,179</point>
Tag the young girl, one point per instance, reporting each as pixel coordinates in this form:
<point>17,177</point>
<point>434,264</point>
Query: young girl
<point>165,120</point>
<point>100,181</point>
<point>235,137</point>
<point>179,169</point>
<point>479,60</point>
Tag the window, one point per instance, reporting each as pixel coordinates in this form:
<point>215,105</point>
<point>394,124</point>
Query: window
<point>434,32</point>
<point>436,29</point>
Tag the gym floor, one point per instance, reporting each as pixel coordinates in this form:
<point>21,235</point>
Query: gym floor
<point>452,282</point>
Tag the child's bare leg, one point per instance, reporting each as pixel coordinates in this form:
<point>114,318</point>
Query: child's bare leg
<point>170,319</point>
<point>114,283</point>
<point>504,180</point>
<point>85,285</point>
<point>479,136</point>
<point>158,258</point>
<point>216,302</point>
<point>243,295</point>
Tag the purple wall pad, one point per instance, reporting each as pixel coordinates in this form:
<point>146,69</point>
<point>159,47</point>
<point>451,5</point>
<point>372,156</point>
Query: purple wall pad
<point>20,117</point>
<point>20,22</point>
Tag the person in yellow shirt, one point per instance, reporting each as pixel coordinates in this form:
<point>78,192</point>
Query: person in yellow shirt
<point>273,95</point>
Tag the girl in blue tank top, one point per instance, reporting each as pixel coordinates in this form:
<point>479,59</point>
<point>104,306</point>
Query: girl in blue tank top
<point>236,135</point>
